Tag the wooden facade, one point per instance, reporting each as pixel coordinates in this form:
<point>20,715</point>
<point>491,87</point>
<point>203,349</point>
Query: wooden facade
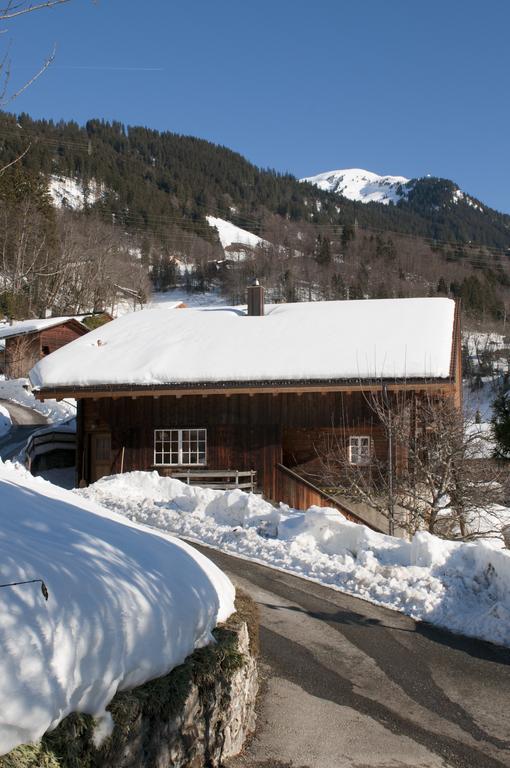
<point>266,432</point>
<point>276,429</point>
<point>23,351</point>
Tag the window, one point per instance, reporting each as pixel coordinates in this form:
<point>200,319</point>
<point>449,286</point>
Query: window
<point>176,447</point>
<point>360,449</point>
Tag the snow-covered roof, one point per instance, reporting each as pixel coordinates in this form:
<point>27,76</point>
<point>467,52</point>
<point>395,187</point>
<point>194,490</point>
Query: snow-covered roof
<point>317,341</point>
<point>21,327</point>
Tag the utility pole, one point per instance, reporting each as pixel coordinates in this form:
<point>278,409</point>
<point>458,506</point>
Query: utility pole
<point>391,501</point>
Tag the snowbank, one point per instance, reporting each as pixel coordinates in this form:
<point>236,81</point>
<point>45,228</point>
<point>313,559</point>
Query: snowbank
<point>126,604</point>
<point>462,587</point>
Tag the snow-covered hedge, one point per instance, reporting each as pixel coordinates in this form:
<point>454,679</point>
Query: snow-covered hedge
<point>462,587</point>
<point>126,604</point>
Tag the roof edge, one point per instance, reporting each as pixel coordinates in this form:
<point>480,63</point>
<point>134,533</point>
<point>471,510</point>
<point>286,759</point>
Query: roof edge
<point>245,387</point>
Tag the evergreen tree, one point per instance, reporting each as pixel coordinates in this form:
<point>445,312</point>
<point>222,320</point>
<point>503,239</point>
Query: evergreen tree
<point>323,251</point>
<point>501,424</point>
<point>442,286</point>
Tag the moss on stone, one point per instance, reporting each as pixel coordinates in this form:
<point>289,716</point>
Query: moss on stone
<point>71,744</point>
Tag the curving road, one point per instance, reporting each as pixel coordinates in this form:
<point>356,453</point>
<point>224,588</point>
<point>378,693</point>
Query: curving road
<point>347,684</point>
<point>25,421</point>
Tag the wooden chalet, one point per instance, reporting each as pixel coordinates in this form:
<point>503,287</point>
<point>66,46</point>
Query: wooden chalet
<point>229,396</point>
<point>27,341</point>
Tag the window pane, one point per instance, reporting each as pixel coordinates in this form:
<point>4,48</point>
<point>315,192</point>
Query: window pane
<point>180,446</point>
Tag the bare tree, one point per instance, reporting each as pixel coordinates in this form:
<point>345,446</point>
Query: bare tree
<point>13,9</point>
<point>433,475</point>
<point>21,354</point>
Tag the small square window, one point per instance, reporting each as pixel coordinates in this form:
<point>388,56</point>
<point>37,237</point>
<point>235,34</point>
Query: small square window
<point>360,450</point>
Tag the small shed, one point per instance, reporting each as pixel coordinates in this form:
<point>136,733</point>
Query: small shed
<point>26,342</point>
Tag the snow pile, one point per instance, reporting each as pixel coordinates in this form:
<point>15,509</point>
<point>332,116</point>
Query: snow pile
<point>388,338</point>
<point>5,421</point>
<point>363,186</point>
<point>66,192</point>
<point>462,587</point>
<point>126,604</point>
<point>230,235</point>
<point>20,391</point>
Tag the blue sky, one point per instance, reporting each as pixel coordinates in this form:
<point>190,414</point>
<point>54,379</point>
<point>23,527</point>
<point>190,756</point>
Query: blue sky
<point>405,87</point>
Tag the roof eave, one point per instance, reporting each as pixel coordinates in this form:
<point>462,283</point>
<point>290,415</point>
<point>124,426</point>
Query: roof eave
<point>180,389</point>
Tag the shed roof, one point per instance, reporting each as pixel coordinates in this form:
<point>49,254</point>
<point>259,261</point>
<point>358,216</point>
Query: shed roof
<point>315,341</point>
<point>22,327</point>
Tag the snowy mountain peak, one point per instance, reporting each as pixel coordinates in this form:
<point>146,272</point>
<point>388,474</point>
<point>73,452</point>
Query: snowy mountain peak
<point>360,185</point>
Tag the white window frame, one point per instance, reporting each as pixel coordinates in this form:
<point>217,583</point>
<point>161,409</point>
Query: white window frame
<point>356,447</point>
<point>168,436</point>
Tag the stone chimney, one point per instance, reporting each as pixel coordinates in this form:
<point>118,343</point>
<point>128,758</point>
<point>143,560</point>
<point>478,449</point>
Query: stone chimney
<point>255,299</point>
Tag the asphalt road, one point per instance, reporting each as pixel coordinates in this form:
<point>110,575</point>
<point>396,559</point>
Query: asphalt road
<point>25,421</point>
<point>346,683</point>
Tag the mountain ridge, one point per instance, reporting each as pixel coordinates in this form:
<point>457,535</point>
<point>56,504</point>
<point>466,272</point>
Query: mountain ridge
<point>156,179</point>
<point>360,185</point>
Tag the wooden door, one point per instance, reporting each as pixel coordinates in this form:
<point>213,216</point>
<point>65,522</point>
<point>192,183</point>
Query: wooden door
<point>100,455</point>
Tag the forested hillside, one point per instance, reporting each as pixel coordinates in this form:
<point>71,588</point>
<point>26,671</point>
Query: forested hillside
<point>148,175</point>
<point>141,222</point>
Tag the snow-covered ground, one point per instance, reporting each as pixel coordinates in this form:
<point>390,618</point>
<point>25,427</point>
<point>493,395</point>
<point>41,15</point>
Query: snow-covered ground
<point>462,587</point>
<point>168,299</point>
<point>480,394</point>
<point>126,604</point>
<point>191,299</point>
<point>230,235</point>
<point>20,391</point>
<point>5,421</point>
<point>67,192</point>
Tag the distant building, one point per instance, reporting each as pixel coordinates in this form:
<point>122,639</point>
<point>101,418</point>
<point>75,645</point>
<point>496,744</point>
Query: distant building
<point>27,341</point>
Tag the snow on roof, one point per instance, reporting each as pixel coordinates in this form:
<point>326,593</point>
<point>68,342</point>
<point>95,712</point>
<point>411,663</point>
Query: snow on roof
<point>384,338</point>
<point>126,604</point>
<point>33,326</point>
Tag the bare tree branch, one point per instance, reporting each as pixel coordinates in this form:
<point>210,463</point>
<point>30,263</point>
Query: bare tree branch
<point>16,160</point>
<point>439,482</point>
<point>12,10</point>
<point>29,82</point>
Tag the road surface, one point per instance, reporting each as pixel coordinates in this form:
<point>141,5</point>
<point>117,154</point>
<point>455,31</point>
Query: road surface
<point>346,684</point>
<point>25,421</point>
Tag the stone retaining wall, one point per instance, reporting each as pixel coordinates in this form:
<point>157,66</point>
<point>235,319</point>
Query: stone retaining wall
<point>196,716</point>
